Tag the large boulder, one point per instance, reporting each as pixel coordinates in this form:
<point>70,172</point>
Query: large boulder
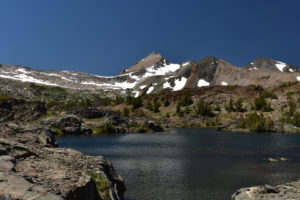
<point>69,125</point>
<point>20,110</point>
<point>88,113</point>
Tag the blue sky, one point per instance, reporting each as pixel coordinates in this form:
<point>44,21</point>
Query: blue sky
<point>104,36</point>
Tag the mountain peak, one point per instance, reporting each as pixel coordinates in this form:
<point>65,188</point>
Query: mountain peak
<point>153,59</point>
<point>269,65</point>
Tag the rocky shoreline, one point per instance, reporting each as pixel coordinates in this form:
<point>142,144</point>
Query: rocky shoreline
<point>287,191</point>
<point>33,167</point>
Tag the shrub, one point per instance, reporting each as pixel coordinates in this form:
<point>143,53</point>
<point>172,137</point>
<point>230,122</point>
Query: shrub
<point>258,88</point>
<point>296,119</point>
<point>166,102</point>
<point>186,99</point>
<point>255,122</point>
<point>236,106</point>
<point>239,105</point>
<point>126,112</point>
<point>229,107</point>
<point>101,183</point>
<point>270,95</point>
<point>156,105</point>
<point>118,100</point>
<point>289,95</point>
<point>203,108</point>
<point>3,99</point>
<point>178,108</point>
<point>260,104</point>
<point>217,107</point>
<point>139,113</point>
<point>149,106</point>
<point>292,109</point>
<point>287,84</point>
<point>53,103</point>
<point>104,129</point>
<point>137,103</point>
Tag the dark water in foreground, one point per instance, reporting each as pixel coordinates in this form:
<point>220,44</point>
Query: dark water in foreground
<point>194,163</point>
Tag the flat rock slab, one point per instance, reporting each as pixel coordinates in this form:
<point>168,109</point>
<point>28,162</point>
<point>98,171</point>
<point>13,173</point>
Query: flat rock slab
<point>288,191</point>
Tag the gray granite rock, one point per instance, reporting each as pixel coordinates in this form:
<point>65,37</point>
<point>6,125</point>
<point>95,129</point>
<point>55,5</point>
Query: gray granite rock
<point>32,167</point>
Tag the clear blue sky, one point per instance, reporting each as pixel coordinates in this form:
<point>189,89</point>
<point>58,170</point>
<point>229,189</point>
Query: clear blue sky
<point>104,36</point>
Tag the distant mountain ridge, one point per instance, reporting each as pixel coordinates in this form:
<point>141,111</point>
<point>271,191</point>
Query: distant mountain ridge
<point>155,73</point>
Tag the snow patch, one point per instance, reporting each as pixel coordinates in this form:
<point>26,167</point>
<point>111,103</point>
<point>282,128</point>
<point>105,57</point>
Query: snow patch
<point>167,85</point>
<point>291,70</point>
<point>179,83</point>
<point>185,64</point>
<point>66,79</point>
<point>26,78</point>
<point>298,78</point>
<point>160,71</point>
<point>202,82</point>
<point>253,68</point>
<point>136,94</point>
<point>143,86</point>
<point>280,65</point>
<point>224,83</point>
<point>50,74</point>
<point>22,71</point>
<point>125,85</point>
<point>150,90</point>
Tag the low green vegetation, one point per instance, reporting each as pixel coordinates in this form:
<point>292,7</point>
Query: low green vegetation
<point>287,84</point>
<point>185,99</point>
<point>102,184</point>
<point>154,105</point>
<point>104,129</point>
<point>296,119</point>
<point>125,112</point>
<point>166,102</point>
<point>260,104</point>
<point>256,122</point>
<point>3,99</point>
<point>270,95</point>
<point>135,102</point>
<point>57,130</point>
<point>235,106</point>
<point>203,108</point>
<point>258,88</point>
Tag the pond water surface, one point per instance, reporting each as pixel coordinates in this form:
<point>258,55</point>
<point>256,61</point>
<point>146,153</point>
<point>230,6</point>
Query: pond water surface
<point>194,163</point>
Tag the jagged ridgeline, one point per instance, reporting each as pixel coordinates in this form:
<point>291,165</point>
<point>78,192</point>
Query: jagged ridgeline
<point>151,75</point>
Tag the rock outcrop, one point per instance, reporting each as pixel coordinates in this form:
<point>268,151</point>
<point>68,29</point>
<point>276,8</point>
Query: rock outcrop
<point>33,167</point>
<point>286,191</point>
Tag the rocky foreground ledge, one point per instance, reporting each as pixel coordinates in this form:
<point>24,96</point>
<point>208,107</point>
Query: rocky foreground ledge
<point>33,167</point>
<point>288,191</point>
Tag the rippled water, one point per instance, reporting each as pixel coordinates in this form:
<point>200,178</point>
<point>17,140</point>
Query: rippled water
<point>194,163</point>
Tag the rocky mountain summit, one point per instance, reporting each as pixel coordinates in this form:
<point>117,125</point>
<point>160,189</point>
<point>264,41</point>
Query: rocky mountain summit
<point>155,73</point>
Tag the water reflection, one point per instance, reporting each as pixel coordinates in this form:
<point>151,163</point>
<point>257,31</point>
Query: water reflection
<point>194,163</point>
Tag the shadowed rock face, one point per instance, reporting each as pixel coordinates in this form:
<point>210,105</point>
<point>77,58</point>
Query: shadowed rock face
<point>204,69</point>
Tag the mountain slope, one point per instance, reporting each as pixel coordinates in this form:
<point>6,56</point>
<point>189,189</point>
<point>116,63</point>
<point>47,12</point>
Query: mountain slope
<point>155,73</point>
